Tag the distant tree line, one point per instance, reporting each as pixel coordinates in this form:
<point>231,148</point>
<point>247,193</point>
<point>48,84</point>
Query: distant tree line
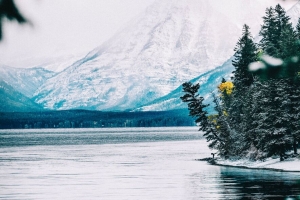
<point>92,119</point>
<point>257,113</point>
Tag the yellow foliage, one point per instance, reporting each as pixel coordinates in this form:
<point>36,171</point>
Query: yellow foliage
<point>225,113</point>
<point>226,87</point>
<point>213,119</point>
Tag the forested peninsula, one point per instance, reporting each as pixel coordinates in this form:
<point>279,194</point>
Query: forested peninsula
<point>256,112</point>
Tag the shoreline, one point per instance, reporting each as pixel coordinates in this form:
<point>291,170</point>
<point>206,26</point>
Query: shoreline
<point>289,165</point>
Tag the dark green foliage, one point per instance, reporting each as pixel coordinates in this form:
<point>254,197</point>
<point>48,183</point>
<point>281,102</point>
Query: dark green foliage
<point>92,119</point>
<point>278,36</point>
<point>288,46</point>
<point>195,104</point>
<point>270,120</point>
<point>280,122</point>
<point>260,117</point>
<point>197,110</point>
<point>298,30</point>
<point>269,33</point>
<point>222,129</point>
<point>245,53</point>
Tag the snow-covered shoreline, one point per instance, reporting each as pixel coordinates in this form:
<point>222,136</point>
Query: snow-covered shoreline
<point>288,165</point>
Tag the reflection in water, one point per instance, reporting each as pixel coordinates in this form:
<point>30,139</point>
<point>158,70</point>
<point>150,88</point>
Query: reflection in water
<point>214,182</point>
<point>259,184</point>
<point>126,164</point>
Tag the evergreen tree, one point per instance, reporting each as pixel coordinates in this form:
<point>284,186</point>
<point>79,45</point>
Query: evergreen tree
<point>277,33</point>
<point>197,110</point>
<point>250,120</point>
<point>273,119</point>
<point>281,19</point>
<point>298,30</point>
<point>287,42</point>
<point>267,32</point>
<point>245,53</point>
<point>298,36</point>
<point>195,104</point>
<point>256,118</point>
<point>223,129</point>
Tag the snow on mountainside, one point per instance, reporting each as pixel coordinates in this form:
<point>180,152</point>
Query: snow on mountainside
<point>25,81</point>
<point>294,13</point>
<point>59,63</point>
<point>14,101</point>
<point>208,81</point>
<point>208,84</point>
<point>170,43</point>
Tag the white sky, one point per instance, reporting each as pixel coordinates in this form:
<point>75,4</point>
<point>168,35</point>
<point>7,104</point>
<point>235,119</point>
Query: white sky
<point>64,27</point>
<point>67,27</point>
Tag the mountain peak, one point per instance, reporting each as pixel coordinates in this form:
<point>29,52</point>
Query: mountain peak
<point>170,43</point>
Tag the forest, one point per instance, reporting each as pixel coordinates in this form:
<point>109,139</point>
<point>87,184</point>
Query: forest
<point>257,111</point>
<point>93,119</point>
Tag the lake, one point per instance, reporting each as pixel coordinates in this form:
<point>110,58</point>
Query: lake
<point>127,163</point>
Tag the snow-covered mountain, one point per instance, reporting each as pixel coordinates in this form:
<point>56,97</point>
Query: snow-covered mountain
<point>294,13</point>
<point>208,81</point>
<point>59,63</point>
<point>170,43</point>
<point>14,101</point>
<point>208,85</point>
<point>25,81</point>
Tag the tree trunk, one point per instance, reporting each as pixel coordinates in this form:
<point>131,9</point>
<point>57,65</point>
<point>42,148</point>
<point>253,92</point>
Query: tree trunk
<point>281,157</point>
<point>295,145</point>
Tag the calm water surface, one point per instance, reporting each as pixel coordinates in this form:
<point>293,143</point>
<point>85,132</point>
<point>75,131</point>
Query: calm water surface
<point>136,163</point>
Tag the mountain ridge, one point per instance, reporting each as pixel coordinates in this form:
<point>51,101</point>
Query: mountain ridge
<point>167,45</point>
<point>14,101</point>
<point>173,101</point>
<point>24,80</point>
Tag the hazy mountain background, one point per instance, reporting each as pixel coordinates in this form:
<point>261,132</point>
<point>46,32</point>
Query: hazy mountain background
<point>143,65</point>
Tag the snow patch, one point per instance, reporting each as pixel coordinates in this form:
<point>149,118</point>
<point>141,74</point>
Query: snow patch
<point>290,164</point>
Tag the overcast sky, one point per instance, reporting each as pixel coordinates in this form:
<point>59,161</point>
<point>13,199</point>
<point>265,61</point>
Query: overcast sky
<point>66,27</point>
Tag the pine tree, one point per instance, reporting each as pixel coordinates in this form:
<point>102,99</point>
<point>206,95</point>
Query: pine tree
<point>277,33</point>
<point>287,36</point>
<point>287,42</point>
<point>195,104</point>
<point>245,53</point>
<point>197,109</point>
<point>275,133</point>
<point>249,121</point>
<point>256,118</point>
<point>279,120</point>
<point>298,29</point>
<point>267,32</point>
<point>298,36</point>
<point>223,129</point>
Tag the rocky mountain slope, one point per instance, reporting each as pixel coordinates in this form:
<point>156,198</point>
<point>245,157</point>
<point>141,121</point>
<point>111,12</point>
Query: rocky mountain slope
<point>13,101</point>
<point>25,81</point>
<point>208,81</point>
<point>208,85</point>
<point>170,43</point>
